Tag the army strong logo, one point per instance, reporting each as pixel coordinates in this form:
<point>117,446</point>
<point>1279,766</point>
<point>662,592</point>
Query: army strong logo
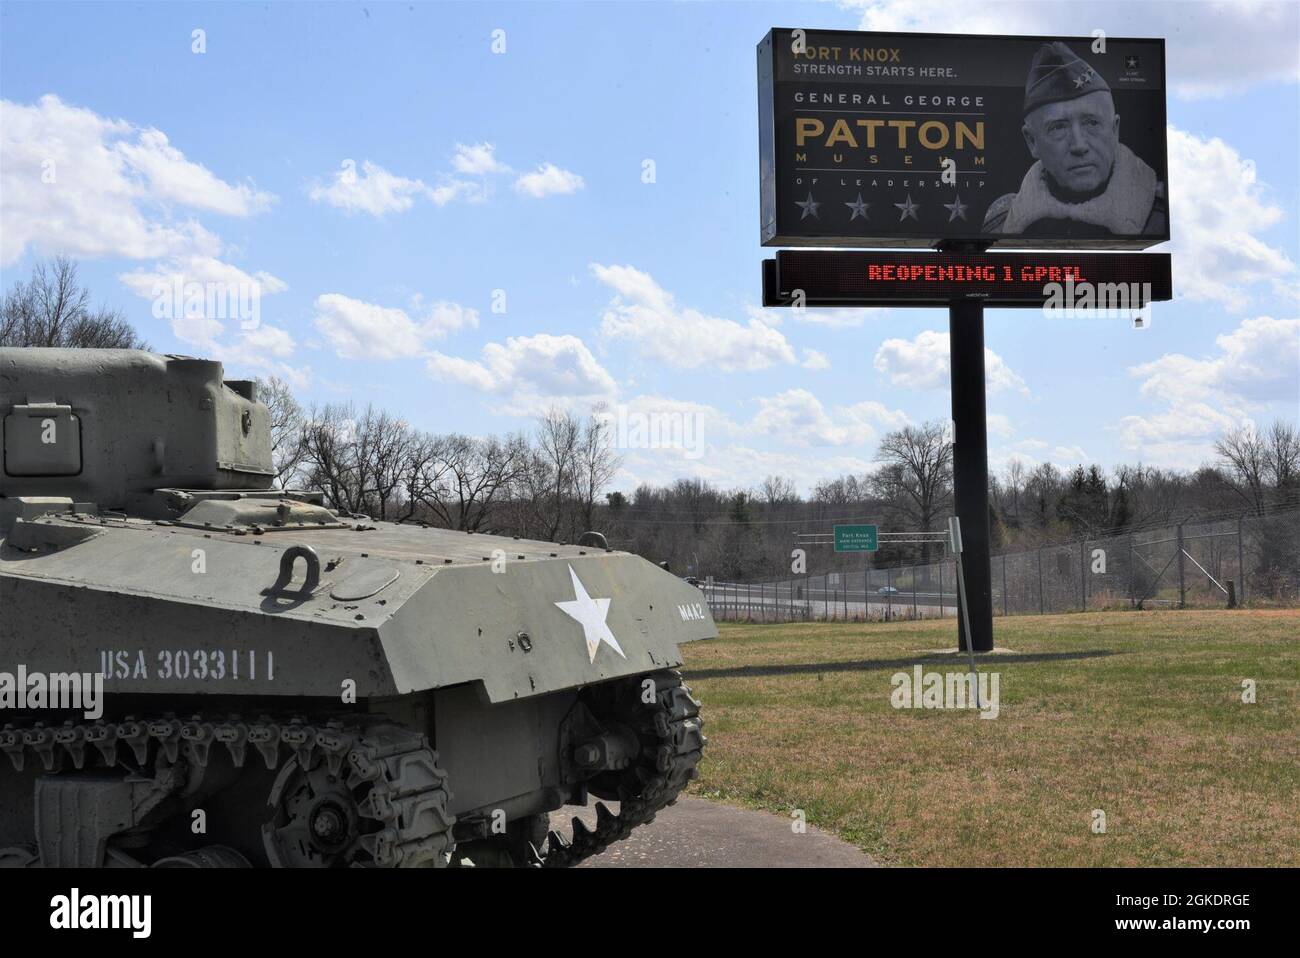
<point>590,614</point>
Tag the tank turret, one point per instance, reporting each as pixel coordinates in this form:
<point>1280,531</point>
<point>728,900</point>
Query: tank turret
<point>109,428</point>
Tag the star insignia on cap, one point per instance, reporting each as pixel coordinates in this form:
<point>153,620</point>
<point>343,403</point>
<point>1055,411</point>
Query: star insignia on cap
<point>1084,77</point>
<point>809,207</point>
<point>909,209</point>
<point>956,209</point>
<point>858,208</point>
<point>590,614</point>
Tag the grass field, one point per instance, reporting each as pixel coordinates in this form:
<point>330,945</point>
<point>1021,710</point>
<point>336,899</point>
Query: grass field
<point>1139,714</point>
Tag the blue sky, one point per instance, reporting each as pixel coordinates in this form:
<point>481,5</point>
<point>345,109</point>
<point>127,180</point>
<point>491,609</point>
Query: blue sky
<point>482,178</point>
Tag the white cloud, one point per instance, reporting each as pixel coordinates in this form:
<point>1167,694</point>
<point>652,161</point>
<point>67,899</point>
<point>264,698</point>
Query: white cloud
<point>477,160</point>
<point>530,373</point>
<point>999,425</point>
<point>1213,48</point>
<point>846,318</point>
<point>465,372</point>
<point>450,189</point>
<point>1217,205</point>
<point>1180,436</point>
<point>1072,455</point>
<point>444,317</point>
<point>262,350</point>
<point>659,426</point>
<point>923,363</point>
<point>360,330</point>
<point>797,418</point>
<point>270,340</point>
<point>814,360</point>
<point>645,313</point>
<point>73,182</point>
<point>1257,363</point>
<point>735,466</point>
<point>172,177</point>
<point>207,271</point>
<point>376,191</point>
<point>549,180</point>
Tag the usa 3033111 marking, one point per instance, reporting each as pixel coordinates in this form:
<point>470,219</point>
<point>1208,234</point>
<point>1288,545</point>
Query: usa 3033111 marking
<point>180,665</point>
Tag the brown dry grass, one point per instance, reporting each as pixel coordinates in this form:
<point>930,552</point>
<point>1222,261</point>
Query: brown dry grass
<point>1137,714</point>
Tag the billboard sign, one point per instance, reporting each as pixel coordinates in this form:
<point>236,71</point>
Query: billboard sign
<point>911,139</point>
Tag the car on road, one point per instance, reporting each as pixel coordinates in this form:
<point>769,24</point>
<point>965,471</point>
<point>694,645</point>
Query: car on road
<point>887,590</point>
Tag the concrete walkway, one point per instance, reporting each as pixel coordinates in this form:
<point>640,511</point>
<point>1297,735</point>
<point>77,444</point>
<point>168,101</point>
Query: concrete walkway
<point>696,833</point>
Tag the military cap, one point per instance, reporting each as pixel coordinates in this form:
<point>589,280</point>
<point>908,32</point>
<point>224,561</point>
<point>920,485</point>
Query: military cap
<point>1058,74</point>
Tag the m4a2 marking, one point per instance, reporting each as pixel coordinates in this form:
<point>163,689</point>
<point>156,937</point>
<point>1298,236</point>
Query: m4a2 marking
<point>213,672</point>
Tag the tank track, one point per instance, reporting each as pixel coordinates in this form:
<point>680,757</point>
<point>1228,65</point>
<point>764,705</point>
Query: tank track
<point>407,797</point>
<point>673,744</point>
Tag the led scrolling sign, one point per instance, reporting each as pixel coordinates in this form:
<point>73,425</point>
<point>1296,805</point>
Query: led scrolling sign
<point>1121,281</point>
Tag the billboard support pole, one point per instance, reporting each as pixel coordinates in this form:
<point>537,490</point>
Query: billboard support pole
<point>970,470</point>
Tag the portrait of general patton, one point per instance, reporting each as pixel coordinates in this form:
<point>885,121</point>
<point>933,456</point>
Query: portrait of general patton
<point>1084,182</point>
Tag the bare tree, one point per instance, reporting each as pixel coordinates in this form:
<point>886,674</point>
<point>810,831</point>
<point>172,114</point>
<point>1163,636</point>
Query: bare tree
<point>385,445</point>
<point>915,481</point>
<point>424,472</point>
<point>360,460</point>
<point>697,499</point>
<point>555,467</point>
<point>1153,496</point>
<point>52,309</point>
<point>778,491</point>
<point>329,456</point>
<point>1282,459</point>
<point>841,491</point>
<point>595,466</point>
<point>287,421</point>
<point>1015,487</point>
<point>1245,452</point>
<point>476,473</point>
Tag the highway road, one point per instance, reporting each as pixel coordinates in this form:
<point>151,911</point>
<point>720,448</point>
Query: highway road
<point>817,602</point>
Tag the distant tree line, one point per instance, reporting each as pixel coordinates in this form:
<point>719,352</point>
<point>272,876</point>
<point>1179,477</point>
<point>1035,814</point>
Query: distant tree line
<point>749,534</point>
<point>547,485</point>
<point>554,483</point>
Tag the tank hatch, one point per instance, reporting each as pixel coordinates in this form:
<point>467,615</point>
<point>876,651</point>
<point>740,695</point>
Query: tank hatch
<point>260,514</point>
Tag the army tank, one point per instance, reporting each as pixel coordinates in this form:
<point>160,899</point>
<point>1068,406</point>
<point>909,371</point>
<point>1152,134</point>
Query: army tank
<point>199,669</point>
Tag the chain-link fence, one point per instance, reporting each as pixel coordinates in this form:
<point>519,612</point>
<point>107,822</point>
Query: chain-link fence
<point>1253,559</point>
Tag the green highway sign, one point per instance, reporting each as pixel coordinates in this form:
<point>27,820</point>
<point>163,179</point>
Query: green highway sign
<point>855,539</point>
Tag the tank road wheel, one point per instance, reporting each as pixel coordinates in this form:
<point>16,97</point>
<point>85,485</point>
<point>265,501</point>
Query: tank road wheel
<point>384,806</point>
<point>671,741</point>
<point>668,728</point>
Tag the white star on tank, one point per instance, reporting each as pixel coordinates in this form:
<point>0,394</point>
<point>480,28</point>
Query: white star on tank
<point>590,614</point>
